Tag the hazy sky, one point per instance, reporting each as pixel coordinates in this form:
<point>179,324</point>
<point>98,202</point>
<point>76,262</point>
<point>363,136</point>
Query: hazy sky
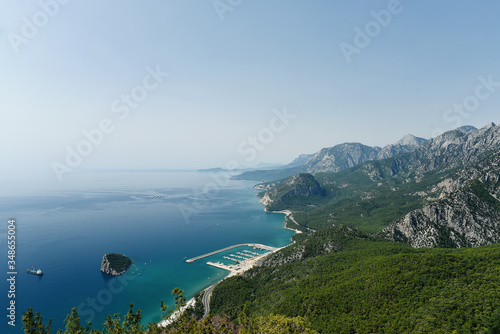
<point>248,81</point>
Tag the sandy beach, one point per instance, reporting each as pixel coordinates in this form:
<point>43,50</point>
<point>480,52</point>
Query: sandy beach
<point>289,215</point>
<point>176,314</point>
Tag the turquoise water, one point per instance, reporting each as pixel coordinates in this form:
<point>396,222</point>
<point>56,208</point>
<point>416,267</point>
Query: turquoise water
<point>159,219</point>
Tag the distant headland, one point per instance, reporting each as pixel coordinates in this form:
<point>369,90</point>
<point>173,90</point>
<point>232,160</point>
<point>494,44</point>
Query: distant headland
<point>115,264</point>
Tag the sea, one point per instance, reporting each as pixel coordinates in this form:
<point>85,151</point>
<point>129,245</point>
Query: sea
<point>157,218</point>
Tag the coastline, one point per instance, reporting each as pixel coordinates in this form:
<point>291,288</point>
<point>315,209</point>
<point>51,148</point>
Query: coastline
<point>234,270</point>
<point>156,219</point>
<point>288,215</point>
<point>176,314</point>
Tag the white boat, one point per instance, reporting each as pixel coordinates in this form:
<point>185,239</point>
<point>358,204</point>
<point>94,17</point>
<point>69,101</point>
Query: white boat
<point>38,272</point>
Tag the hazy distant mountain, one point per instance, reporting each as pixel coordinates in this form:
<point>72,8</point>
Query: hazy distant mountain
<point>347,155</point>
<point>300,160</point>
<point>337,158</point>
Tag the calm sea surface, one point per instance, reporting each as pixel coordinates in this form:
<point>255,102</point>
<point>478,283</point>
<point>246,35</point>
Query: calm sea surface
<point>159,219</point>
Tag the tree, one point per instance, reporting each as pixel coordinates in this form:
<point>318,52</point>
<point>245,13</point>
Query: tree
<point>279,324</point>
<point>73,324</point>
<point>245,321</point>
<point>199,308</point>
<point>164,308</point>
<point>33,324</point>
<point>131,324</point>
<point>494,323</point>
<point>180,300</point>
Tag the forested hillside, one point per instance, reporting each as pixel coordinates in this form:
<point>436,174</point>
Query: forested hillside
<point>343,281</point>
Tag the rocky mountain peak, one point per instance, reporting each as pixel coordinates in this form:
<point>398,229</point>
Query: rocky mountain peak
<point>300,160</point>
<point>410,140</point>
<point>467,129</point>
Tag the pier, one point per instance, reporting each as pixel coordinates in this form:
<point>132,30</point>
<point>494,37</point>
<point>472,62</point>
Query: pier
<point>250,252</point>
<point>258,246</point>
<point>232,259</point>
<point>247,256</point>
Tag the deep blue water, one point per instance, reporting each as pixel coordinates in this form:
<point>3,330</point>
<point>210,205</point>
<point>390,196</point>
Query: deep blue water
<point>159,219</point>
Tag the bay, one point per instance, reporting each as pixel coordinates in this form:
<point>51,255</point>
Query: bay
<point>157,218</point>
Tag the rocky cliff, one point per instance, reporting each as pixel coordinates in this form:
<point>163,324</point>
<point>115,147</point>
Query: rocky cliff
<point>467,213</point>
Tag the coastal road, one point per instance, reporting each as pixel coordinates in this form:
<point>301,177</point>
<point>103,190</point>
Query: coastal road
<point>206,299</point>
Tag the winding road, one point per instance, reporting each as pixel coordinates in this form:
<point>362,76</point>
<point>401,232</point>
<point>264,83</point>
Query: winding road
<point>206,299</point>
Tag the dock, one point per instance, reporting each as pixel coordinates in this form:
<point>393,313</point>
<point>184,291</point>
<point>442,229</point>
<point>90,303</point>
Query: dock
<point>241,266</point>
<point>257,246</point>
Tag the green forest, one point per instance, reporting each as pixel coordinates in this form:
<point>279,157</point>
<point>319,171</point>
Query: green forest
<point>118,262</point>
<point>364,285</point>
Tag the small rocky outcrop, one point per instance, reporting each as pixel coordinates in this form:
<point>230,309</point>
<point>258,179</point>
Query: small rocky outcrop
<point>115,264</point>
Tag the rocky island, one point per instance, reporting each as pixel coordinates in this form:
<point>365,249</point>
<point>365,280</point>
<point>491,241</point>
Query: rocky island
<point>115,264</point>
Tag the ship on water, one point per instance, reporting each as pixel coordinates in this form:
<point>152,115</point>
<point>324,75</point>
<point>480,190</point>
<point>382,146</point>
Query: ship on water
<point>38,272</point>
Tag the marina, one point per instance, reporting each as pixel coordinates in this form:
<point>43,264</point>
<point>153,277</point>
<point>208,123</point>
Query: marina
<point>255,246</point>
<point>241,264</point>
<point>243,260</point>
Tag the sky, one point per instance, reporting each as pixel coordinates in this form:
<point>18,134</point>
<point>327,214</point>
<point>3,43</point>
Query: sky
<point>164,84</point>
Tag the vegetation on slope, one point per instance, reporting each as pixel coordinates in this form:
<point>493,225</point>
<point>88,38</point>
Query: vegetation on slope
<point>187,323</point>
<point>375,194</point>
<point>118,262</point>
<point>364,285</point>
<point>298,191</point>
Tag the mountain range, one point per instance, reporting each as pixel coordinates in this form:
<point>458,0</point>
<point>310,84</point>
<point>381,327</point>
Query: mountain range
<point>400,239</point>
<point>334,159</point>
<point>443,192</point>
